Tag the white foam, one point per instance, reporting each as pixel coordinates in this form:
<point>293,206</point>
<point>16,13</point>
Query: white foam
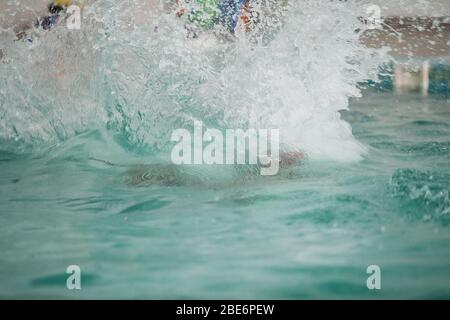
<point>294,73</point>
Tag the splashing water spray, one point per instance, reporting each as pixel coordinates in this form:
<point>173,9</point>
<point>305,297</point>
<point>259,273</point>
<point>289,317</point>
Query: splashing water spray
<point>138,70</point>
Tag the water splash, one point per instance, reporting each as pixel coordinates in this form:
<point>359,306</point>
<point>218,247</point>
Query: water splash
<point>425,193</point>
<point>132,69</point>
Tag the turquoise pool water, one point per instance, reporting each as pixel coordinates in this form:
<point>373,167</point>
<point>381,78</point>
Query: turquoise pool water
<point>311,232</point>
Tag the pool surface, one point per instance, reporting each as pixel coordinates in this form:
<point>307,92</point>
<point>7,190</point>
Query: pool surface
<point>310,232</point>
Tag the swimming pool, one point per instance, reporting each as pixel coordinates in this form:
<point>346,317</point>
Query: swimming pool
<point>85,180</point>
<point>307,234</point>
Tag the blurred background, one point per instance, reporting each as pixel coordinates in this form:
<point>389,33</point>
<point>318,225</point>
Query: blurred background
<point>417,31</point>
<point>418,35</point>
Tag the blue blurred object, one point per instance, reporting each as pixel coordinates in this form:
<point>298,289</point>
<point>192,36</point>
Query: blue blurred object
<point>229,13</point>
<point>49,22</point>
<point>440,79</point>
